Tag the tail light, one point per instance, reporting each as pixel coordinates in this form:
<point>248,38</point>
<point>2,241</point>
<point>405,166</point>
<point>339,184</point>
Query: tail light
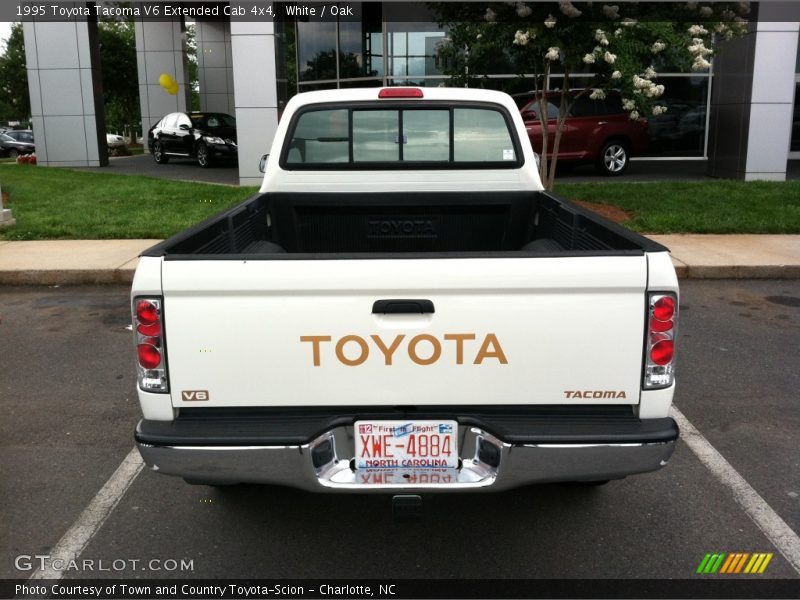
<point>148,325</point>
<point>662,317</point>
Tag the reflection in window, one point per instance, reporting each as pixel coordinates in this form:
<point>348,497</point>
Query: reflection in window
<point>361,42</point>
<point>481,136</point>
<point>681,131</point>
<point>316,50</point>
<point>320,137</point>
<point>795,144</point>
<point>402,135</point>
<point>413,49</point>
<point>426,134</point>
<point>375,135</point>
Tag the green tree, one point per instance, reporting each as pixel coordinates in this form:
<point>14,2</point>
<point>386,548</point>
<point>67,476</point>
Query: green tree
<point>619,46</point>
<point>15,103</point>
<point>192,69</point>
<point>120,78</point>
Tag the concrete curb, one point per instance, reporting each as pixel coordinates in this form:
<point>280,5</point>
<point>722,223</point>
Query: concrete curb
<point>741,272</point>
<point>67,277</point>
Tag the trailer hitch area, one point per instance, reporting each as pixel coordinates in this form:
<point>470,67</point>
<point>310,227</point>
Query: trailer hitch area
<point>406,508</point>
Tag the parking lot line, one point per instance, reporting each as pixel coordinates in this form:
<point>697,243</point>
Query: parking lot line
<point>761,513</point>
<point>70,546</point>
<point>77,537</point>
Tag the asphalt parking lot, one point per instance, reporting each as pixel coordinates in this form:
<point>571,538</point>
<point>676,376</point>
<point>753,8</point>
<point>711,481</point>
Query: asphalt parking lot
<point>182,169</point>
<point>67,392</point>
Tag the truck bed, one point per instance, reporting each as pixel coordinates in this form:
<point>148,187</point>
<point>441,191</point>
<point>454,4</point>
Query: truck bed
<point>285,225</point>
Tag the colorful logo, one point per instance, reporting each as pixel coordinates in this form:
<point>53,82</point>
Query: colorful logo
<point>734,563</point>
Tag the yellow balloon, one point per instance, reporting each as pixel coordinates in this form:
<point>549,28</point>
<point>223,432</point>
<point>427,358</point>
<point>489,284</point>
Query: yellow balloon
<point>166,81</point>
<point>173,89</point>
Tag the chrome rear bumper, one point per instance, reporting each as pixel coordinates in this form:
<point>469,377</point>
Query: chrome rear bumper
<point>487,463</point>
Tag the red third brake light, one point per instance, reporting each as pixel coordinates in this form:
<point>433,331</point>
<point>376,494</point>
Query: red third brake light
<point>400,92</point>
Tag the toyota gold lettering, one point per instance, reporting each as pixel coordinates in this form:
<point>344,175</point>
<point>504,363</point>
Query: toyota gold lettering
<point>423,349</point>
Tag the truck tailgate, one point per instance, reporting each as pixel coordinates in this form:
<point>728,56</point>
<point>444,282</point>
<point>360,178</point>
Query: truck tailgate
<point>527,330</point>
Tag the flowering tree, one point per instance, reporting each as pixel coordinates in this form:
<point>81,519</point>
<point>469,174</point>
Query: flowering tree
<point>612,46</point>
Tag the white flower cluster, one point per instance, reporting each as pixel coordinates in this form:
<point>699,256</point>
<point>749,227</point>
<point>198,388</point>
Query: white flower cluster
<point>659,110</point>
<point>706,11</point>
<point>628,104</point>
<point>611,11</point>
<point>634,115</point>
<point>600,36</point>
<point>523,10</point>
<point>479,36</point>
<point>610,58</point>
<point>597,94</point>
<point>550,21</point>
<point>697,30</point>
<point>588,58</point>
<point>650,72</point>
<point>644,86</point>
<point>657,47</point>
<point>521,38</point>
<point>629,22</point>
<point>616,75</point>
<point>553,53</point>
<point>490,15</point>
<point>568,9</point>
<point>699,51</point>
<point>617,32</point>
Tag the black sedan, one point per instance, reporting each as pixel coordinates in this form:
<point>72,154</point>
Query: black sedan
<point>17,141</point>
<point>208,137</point>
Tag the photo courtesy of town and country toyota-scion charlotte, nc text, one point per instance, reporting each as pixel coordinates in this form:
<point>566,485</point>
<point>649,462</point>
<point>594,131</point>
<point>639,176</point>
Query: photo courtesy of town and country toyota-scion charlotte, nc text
<point>169,10</point>
<point>202,589</point>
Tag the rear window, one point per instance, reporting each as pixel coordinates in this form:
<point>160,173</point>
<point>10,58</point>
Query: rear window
<point>332,138</point>
<point>21,136</point>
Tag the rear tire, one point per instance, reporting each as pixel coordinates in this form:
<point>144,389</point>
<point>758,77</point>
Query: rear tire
<point>203,156</point>
<point>613,159</point>
<point>158,154</point>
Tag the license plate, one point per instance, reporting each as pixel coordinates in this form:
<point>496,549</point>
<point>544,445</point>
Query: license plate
<point>406,444</point>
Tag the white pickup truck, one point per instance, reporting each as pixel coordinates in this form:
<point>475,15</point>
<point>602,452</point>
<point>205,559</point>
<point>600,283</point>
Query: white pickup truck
<point>403,307</point>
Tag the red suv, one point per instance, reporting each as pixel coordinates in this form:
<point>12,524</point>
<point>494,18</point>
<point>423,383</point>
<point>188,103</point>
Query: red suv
<point>595,131</point>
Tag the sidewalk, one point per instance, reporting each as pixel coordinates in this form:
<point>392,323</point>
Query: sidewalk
<point>114,261</point>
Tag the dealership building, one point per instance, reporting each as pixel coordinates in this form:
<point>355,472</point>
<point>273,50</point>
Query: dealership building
<point>741,117</point>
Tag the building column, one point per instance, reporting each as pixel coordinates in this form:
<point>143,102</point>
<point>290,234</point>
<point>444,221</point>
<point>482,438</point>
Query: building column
<point>750,123</point>
<point>215,66</point>
<point>160,48</point>
<point>66,91</point>
<point>256,94</point>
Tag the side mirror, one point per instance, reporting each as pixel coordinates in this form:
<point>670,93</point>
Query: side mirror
<point>529,115</point>
<point>184,126</point>
<point>262,164</point>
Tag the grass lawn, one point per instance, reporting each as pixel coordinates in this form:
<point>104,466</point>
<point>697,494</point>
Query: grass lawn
<point>713,206</point>
<point>51,203</point>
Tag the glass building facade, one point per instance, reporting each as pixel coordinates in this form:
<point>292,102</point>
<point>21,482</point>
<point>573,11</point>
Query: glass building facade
<point>383,45</point>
